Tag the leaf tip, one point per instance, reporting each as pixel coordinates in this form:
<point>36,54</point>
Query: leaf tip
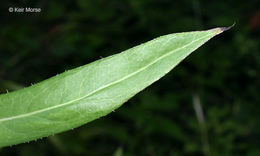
<point>222,29</point>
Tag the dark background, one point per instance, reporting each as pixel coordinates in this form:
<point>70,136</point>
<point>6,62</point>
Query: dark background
<point>222,76</point>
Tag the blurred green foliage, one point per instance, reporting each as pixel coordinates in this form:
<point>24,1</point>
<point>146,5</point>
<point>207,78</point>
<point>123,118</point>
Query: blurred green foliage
<point>161,120</point>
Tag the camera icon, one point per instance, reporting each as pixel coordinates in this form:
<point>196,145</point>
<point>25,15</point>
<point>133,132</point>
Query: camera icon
<point>11,9</point>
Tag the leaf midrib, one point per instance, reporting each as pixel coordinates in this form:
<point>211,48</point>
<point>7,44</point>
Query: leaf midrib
<point>100,88</point>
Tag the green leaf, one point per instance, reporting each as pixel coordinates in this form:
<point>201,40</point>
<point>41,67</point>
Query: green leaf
<point>119,152</point>
<point>89,92</point>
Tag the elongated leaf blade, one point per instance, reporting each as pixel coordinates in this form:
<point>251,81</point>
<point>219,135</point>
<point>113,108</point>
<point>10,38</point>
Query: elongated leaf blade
<point>89,92</point>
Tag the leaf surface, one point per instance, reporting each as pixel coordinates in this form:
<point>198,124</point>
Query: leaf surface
<point>89,92</point>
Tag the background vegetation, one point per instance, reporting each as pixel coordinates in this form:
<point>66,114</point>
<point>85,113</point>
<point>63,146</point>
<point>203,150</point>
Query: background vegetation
<point>222,77</point>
